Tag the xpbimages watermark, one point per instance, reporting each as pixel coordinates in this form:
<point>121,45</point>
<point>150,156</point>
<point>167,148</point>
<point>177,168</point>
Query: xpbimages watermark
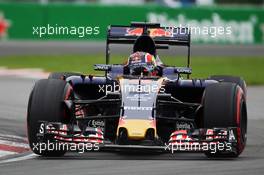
<point>205,147</point>
<point>137,88</point>
<point>57,30</point>
<point>212,31</point>
<point>60,146</point>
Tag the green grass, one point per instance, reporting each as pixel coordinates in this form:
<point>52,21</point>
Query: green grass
<point>250,68</point>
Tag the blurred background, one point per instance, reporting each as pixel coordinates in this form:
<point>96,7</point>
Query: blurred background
<point>23,47</point>
<point>181,2</point>
<point>246,17</point>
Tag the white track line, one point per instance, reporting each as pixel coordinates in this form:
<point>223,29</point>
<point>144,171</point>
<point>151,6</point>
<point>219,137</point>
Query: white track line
<point>25,73</point>
<point>6,153</point>
<point>26,157</point>
<point>12,143</point>
<point>12,136</point>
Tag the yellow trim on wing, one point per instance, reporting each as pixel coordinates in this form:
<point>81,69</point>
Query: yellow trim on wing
<point>136,128</point>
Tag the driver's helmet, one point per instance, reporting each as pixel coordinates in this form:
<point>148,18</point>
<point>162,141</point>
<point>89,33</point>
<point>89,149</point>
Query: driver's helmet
<point>142,63</point>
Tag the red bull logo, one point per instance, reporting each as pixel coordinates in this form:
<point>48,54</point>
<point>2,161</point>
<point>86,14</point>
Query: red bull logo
<point>152,32</point>
<point>160,33</point>
<point>134,31</point>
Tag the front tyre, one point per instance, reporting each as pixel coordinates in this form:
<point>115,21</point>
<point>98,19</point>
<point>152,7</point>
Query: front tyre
<point>46,104</point>
<point>231,79</point>
<point>225,106</point>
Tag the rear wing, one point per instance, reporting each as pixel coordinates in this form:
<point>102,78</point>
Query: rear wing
<point>161,35</point>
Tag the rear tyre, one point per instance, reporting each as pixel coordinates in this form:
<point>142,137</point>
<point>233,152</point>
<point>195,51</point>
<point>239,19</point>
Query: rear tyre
<point>62,75</point>
<point>46,104</point>
<point>231,79</point>
<point>225,106</point>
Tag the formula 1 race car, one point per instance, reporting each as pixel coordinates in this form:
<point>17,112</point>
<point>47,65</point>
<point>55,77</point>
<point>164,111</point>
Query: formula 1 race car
<point>140,105</point>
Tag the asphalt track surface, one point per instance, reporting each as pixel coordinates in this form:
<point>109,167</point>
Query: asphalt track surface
<point>85,48</point>
<point>13,102</point>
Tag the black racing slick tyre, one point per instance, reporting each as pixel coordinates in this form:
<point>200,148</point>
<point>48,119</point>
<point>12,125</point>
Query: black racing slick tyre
<point>225,106</point>
<point>231,79</point>
<point>62,75</point>
<point>46,104</point>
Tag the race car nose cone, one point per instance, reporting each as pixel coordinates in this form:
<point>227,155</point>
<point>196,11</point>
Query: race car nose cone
<point>136,129</point>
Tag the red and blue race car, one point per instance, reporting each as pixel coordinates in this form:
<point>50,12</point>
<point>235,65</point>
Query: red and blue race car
<point>140,105</point>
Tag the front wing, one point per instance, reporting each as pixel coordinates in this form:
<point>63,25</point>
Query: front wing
<point>212,140</point>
